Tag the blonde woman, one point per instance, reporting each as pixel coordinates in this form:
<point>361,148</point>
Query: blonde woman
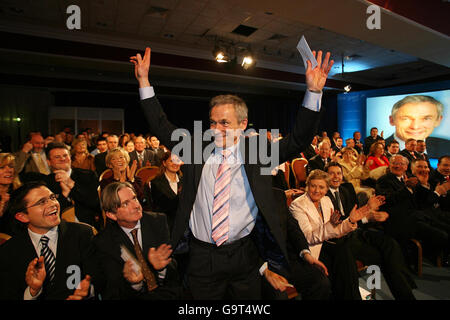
<point>323,228</point>
<point>9,181</point>
<point>355,170</point>
<point>81,158</point>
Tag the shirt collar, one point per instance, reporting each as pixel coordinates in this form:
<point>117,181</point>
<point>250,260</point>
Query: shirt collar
<point>128,230</point>
<point>52,234</point>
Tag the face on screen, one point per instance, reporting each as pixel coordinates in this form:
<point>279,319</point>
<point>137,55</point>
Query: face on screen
<point>415,120</point>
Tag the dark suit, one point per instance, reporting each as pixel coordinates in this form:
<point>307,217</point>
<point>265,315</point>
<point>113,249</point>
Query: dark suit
<point>309,152</point>
<point>260,185</point>
<point>368,142</point>
<point>406,220</point>
<point>100,163</point>
<point>73,249</point>
<point>374,247</point>
<point>309,281</point>
<point>83,194</point>
<point>164,199</point>
<point>317,162</point>
<point>107,247</point>
<point>149,156</point>
<point>411,156</point>
<point>436,147</point>
<point>159,153</point>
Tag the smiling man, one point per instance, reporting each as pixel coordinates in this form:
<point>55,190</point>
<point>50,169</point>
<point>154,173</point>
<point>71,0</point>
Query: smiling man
<point>415,117</point>
<point>226,205</point>
<point>34,263</point>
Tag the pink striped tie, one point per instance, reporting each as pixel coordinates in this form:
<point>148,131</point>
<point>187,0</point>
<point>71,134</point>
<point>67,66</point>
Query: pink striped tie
<point>221,204</point>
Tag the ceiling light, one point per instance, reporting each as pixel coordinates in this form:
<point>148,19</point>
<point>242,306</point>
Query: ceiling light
<point>220,55</point>
<point>347,88</point>
<point>247,62</point>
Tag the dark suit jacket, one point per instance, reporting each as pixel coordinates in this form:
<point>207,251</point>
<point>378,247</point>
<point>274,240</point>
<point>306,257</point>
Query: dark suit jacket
<point>84,194</point>
<point>400,205</point>
<point>149,156</point>
<point>164,199</point>
<point>309,152</point>
<point>159,153</point>
<point>436,147</point>
<point>303,132</point>
<point>368,142</point>
<point>107,247</point>
<point>100,163</point>
<point>316,162</point>
<point>73,249</point>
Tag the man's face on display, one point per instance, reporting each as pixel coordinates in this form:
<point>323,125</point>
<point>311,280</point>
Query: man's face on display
<point>415,120</point>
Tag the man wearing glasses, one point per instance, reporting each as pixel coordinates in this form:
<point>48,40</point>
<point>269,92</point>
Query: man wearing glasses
<point>38,260</point>
<point>75,187</point>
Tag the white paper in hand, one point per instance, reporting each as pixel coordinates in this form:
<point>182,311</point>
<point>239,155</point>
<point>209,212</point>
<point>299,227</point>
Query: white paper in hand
<point>306,53</point>
<point>126,255</point>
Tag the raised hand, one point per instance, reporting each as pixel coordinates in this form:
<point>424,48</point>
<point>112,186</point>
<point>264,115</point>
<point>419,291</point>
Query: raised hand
<point>83,289</point>
<point>142,67</point>
<point>35,275</point>
<point>316,78</point>
<point>132,171</point>
<point>27,147</point>
<point>335,217</point>
<point>160,258</point>
<point>130,274</point>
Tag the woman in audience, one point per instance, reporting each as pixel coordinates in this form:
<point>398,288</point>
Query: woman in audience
<point>129,146</point>
<point>166,187</point>
<point>123,139</point>
<point>323,228</point>
<point>117,160</point>
<point>376,156</point>
<point>81,158</point>
<point>9,181</point>
<point>355,170</point>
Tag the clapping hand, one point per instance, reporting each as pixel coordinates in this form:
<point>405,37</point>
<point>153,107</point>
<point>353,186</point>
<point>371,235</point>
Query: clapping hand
<point>375,202</point>
<point>35,275</point>
<point>335,217</point>
<point>160,258</point>
<point>130,274</point>
<point>83,289</point>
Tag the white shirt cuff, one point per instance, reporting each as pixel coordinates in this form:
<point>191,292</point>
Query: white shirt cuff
<point>263,268</point>
<point>303,252</point>
<point>138,286</point>
<point>312,100</point>
<point>146,92</point>
<point>162,273</point>
<point>27,294</point>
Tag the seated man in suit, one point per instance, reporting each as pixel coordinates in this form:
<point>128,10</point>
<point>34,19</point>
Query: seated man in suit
<point>36,262</point>
<point>312,149</point>
<point>75,187</point>
<point>374,137</point>
<point>154,146</point>
<point>358,144</point>
<point>112,141</point>
<point>410,152</point>
<point>392,148</point>
<point>338,145</point>
<point>31,158</point>
<point>406,219</point>
<point>441,175</point>
<point>146,236</point>
<point>320,160</point>
<point>370,246</point>
<point>142,156</point>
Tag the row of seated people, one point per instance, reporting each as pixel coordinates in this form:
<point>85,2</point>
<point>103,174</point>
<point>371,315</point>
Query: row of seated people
<point>329,233</point>
<point>32,157</point>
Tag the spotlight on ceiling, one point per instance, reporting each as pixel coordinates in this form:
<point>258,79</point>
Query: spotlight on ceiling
<point>247,61</point>
<point>347,88</point>
<point>220,55</point>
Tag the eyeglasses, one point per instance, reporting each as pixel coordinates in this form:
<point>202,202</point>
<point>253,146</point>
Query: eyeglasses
<point>44,201</point>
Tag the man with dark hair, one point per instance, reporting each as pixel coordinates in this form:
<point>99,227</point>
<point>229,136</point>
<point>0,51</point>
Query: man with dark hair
<point>338,145</point>
<point>420,150</point>
<point>75,187</point>
<point>358,144</point>
<point>146,236</point>
<point>112,141</point>
<point>410,152</point>
<point>374,137</point>
<point>370,246</point>
<point>37,262</point>
<point>154,146</point>
<point>101,146</point>
<point>392,148</point>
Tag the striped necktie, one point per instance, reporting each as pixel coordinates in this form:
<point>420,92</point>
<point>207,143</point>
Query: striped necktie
<point>146,272</point>
<point>221,203</point>
<point>49,258</point>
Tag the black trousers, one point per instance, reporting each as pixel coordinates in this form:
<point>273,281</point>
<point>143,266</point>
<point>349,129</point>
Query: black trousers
<point>341,265</point>
<point>376,248</point>
<point>224,272</point>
